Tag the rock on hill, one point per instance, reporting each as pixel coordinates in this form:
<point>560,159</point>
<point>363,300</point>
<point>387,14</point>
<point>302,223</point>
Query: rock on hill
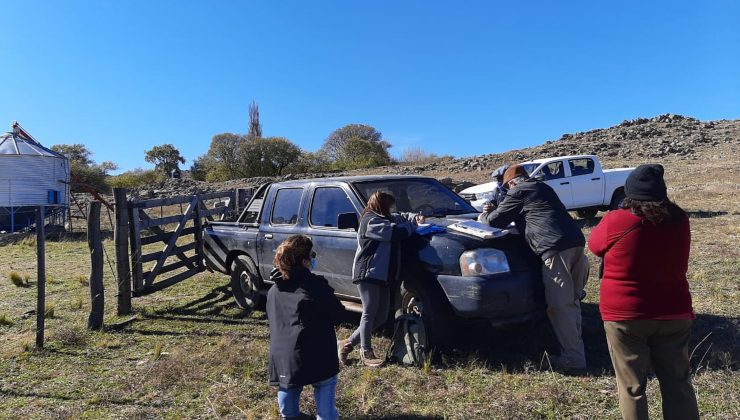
<point>667,136</point>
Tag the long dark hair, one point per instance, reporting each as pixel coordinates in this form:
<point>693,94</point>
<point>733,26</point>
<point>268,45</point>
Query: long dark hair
<point>380,203</point>
<point>291,253</point>
<point>655,212</point>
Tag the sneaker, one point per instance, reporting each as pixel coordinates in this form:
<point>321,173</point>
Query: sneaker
<point>344,348</point>
<point>368,359</point>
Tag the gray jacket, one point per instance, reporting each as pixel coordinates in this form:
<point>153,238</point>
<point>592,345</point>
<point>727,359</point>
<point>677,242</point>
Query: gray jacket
<point>375,259</point>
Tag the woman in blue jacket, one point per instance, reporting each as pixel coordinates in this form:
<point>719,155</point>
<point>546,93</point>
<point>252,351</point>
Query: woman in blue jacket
<point>302,311</point>
<point>374,270</point>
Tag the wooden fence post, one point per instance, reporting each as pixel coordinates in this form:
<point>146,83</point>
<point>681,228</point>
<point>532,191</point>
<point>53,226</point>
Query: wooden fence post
<point>41,272</point>
<point>95,243</point>
<point>120,237</point>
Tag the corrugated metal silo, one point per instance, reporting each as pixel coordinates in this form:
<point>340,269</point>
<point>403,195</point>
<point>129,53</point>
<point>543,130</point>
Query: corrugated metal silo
<point>30,176</point>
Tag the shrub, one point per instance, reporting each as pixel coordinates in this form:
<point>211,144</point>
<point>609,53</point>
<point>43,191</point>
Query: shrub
<point>70,335</point>
<point>136,178</point>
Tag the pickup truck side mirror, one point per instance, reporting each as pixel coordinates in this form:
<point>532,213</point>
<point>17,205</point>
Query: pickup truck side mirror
<point>540,176</point>
<point>348,221</point>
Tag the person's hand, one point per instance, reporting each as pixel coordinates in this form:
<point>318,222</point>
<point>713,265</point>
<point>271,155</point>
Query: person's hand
<point>420,219</point>
<point>488,207</point>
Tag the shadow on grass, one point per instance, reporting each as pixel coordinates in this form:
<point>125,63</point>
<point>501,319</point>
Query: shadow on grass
<point>400,417</point>
<point>715,343</point>
<point>33,394</point>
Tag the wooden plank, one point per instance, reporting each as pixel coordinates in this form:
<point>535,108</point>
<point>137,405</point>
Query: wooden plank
<point>40,275</point>
<point>171,243</point>
<point>159,202</point>
<point>120,238</point>
<point>159,231</point>
<point>217,194</point>
<point>174,266</point>
<point>149,289</point>
<point>95,244</point>
<point>199,235</point>
<point>155,256</point>
<point>135,230</point>
<point>165,236</point>
<point>150,222</point>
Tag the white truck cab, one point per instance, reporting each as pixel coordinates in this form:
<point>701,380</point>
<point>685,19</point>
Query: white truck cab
<point>580,182</point>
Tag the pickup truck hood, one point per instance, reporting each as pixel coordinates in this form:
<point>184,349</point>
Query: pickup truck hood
<point>440,252</point>
<point>478,189</point>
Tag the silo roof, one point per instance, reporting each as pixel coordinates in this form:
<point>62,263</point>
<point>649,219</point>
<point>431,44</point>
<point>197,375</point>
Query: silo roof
<point>15,143</point>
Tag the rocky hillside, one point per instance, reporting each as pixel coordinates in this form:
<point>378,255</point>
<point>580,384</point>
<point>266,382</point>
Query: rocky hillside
<point>665,137</point>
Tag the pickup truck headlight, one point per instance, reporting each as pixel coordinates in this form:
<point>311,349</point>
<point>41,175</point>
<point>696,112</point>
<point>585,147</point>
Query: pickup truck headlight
<point>483,261</point>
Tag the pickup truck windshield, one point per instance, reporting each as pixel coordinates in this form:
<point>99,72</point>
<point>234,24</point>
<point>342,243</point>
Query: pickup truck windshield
<point>529,167</point>
<point>426,196</point>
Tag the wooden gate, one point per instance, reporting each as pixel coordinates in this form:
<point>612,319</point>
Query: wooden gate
<point>182,255</point>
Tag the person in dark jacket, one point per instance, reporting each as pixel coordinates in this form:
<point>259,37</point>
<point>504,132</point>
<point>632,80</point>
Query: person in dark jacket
<point>375,270</point>
<point>302,311</point>
<point>553,235</point>
<point>645,299</point>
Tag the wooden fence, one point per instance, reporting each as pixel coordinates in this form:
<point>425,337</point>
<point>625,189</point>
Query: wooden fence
<point>145,270</point>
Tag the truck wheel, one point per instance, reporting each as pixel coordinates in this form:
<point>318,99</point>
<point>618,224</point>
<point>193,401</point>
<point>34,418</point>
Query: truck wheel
<point>424,298</point>
<point>588,213</point>
<point>246,284</point>
<point>617,199</point>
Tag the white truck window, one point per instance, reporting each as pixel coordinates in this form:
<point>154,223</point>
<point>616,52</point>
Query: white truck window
<point>553,170</point>
<point>582,166</point>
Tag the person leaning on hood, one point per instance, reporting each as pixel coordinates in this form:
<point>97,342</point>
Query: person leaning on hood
<point>553,235</point>
<point>375,270</point>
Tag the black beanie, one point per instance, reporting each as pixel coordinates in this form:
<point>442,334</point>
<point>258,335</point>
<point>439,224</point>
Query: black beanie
<point>646,183</point>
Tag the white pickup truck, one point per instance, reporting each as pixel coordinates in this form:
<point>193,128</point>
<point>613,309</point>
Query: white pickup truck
<point>579,181</point>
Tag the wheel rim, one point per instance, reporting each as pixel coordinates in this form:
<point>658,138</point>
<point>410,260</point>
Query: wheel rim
<point>247,283</point>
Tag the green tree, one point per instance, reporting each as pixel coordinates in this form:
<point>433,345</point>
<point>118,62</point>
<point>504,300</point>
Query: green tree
<point>280,153</point>
<point>165,158</point>
<point>335,146</point>
<point>361,153</point>
<point>83,170</point>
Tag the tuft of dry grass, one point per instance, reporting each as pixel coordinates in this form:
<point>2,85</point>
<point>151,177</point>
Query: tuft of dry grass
<point>82,280</point>
<point>5,319</point>
<point>50,309</point>
<point>70,335</point>
<point>19,280</point>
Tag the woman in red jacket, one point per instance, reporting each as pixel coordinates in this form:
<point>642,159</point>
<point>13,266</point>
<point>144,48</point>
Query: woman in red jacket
<point>645,301</point>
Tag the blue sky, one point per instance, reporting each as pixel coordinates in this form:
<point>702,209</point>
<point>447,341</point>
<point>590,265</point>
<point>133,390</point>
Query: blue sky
<point>459,78</point>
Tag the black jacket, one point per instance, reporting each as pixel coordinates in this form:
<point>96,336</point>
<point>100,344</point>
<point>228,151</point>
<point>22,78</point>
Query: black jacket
<point>539,213</point>
<point>302,311</point>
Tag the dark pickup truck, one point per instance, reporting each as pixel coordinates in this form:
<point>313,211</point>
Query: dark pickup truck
<point>443,275</point>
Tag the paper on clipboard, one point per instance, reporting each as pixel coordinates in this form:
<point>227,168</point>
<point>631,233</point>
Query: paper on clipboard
<point>477,229</point>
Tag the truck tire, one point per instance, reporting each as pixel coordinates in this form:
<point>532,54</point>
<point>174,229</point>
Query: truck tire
<point>617,199</point>
<point>246,285</point>
<point>424,297</point>
<point>587,213</point>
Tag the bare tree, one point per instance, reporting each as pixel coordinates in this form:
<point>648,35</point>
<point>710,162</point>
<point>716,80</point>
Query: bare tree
<point>255,129</point>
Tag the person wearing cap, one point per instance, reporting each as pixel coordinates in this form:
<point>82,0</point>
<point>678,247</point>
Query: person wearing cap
<point>645,300</point>
<point>554,236</point>
<point>498,194</point>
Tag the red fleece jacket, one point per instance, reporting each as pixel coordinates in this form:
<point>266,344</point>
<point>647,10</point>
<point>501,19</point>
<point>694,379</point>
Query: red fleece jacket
<point>645,271</point>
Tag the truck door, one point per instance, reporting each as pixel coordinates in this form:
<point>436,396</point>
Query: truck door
<point>554,175</point>
<point>279,221</point>
<point>335,248</point>
<point>586,184</point>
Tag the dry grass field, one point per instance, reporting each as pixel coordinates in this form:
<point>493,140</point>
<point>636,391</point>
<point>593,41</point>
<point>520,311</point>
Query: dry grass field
<point>193,354</point>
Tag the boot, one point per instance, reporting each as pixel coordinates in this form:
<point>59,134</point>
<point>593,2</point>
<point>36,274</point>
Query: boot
<point>344,348</point>
<point>368,359</point>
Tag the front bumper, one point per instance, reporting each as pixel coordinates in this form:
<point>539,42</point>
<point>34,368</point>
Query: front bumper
<point>507,298</point>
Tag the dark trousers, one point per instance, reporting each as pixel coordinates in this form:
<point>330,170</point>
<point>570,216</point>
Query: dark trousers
<point>633,347</point>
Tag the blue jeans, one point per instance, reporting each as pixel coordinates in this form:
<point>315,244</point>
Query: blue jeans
<point>324,393</point>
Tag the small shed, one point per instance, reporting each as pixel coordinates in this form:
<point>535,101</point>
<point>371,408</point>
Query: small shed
<point>30,176</point>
